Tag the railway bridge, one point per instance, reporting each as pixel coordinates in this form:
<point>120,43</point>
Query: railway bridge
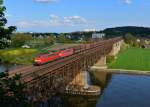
<point>57,76</point>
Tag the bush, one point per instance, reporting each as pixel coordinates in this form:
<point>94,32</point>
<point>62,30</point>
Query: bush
<point>131,40</point>
<point>18,56</point>
<point>124,46</point>
<point>110,58</point>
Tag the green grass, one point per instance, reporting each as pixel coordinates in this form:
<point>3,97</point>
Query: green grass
<point>132,59</point>
<point>18,55</point>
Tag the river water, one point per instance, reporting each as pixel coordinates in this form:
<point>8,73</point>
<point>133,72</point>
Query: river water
<point>126,91</point>
<point>121,91</point>
<point>5,66</point>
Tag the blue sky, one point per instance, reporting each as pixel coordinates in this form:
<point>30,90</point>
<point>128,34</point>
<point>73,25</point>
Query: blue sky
<point>76,15</point>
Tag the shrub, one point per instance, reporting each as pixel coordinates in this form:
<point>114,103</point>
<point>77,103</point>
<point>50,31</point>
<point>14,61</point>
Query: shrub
<point>110,58</point>
<point>124,46</point>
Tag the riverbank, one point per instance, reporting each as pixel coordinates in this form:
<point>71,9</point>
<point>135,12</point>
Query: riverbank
<point>130,72</point>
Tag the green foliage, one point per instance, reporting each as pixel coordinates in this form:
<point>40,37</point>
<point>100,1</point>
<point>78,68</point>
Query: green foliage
<point>19,39</point>
<point>18,56</point>
<point>110,58</point>
<point>132,59</point>
<point>121,31</point>
<point>12,93</point>
<point>4,32</point>
<point>63,39</point>
<point>124,46</point>
<point>41,41</point>
<point>131,40</point>
<point>49,40</point>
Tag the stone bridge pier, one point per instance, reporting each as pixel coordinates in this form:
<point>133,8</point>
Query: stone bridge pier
<point>80,86</point>
<point>116,48</point>
<point>78,79</point>
<point>101,63</point>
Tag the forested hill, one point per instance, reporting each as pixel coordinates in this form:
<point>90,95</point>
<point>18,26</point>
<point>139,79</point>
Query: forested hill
<point>136,31</point>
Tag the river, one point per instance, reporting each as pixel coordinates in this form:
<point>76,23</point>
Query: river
<point>5,66</point>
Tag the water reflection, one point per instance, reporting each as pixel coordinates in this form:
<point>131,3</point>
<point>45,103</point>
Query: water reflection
<point>126,91</point>
<point>5,66</point>
<point>2,68</point>
<point>120,91</point>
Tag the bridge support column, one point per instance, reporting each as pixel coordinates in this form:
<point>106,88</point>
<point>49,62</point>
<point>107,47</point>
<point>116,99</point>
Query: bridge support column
<point>81,79</point>
<point>78,79</point>
<point>101,63</point>
<point>116,48</point>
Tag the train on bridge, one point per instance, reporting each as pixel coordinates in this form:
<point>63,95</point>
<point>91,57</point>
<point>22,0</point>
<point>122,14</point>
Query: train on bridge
<point>56,55</point>
<point>52,56</point>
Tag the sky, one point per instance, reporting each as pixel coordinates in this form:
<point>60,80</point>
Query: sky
<point>75,15</point>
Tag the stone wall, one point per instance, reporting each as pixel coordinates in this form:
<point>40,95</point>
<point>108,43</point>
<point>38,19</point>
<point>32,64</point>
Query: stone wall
<point>116,48</point>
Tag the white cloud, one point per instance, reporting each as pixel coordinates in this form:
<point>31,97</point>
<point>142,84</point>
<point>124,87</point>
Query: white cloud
<point>54,21</point>
<point>30,24</point>
<point>53,16</point>
<point>45,1</point>
<point>127,1</point>
<point>74,20</point>
<point>89,29</point>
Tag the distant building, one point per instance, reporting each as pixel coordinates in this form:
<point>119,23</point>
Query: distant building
<point>25,46</point>
<point>98,35</point>
<point>89,30</point>
<point>144,42</point>
<point>138,40</point>
<point>68,36</point>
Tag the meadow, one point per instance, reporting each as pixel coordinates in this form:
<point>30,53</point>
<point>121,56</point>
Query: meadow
<point>132,59</point>
<point>18,55</point>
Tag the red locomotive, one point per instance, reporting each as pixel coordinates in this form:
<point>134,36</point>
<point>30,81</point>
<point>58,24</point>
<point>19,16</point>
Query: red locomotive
<point>52,56</point>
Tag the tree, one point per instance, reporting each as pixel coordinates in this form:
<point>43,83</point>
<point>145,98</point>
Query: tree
<point>4,32</point>
<point>49,40</point>
<point>62,38</point>
<point>12,92</point>
<point>131,40</point>
<point>19,39</point>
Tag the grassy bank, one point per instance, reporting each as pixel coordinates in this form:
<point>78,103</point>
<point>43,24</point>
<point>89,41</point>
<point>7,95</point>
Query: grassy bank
<point>18,56</point>
<point>132,59</point>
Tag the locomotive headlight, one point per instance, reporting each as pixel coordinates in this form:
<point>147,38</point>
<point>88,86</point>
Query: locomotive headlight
<point>37,60</point>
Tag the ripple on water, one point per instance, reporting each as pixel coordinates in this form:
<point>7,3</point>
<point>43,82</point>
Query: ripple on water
<point>126,91</point>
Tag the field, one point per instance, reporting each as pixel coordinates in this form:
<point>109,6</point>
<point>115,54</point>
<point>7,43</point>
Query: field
<point>132,59</point>
<point>18,56</point>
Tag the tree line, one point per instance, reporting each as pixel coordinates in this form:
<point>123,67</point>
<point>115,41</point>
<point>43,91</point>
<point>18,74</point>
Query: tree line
<point>20,39</point>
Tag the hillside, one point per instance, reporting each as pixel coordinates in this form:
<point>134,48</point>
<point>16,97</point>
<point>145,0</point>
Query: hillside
<point>136,31</point>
